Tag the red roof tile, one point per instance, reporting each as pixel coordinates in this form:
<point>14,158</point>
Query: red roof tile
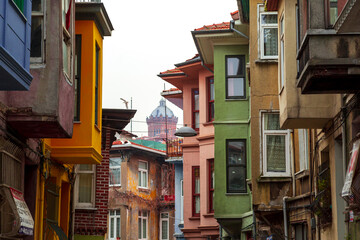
<point>235,15</point>
<point>171,90</point>
<point>219,26</point>
<point>172,71</point>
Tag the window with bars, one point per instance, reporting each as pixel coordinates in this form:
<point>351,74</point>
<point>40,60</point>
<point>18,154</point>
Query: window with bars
<point>164,226</point>
<point>142,224</point>
<point>235,77</point>
<point>276,146</point>
<point>236,165</point>
<point>114,225</point>
<point>115,171</point>
<point>195,109</point>
<point>196,191</point>
<point>143,174</point>
<point>268,33</point>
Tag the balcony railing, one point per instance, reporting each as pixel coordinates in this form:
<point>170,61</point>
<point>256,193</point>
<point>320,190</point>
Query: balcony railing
<point>89,1</point>
<point>173,148</point>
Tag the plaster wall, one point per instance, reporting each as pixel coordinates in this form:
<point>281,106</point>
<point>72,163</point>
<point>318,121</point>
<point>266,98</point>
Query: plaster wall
<point>178,178</point>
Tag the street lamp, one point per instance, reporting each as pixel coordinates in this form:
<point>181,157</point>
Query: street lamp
<point>185,132</point>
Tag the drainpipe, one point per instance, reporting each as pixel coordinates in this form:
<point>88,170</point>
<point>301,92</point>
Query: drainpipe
<point>285,219</point>
<point>220,232</point>
<point>232,24</point>
<point>344,150</point>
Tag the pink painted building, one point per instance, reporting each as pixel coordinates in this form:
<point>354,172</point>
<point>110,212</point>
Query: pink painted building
<point>195,83</point>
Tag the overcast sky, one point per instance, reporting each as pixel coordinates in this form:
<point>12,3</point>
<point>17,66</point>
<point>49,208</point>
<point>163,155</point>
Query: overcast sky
<point>150,37</point>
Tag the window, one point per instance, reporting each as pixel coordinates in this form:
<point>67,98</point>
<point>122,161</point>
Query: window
<point>236,166</point>
<point>37,32</point>
<point>77,82</point>
<point>97,84</point>
<point>332,12</point>
<point>211,185</point>
<point>211,99</point>
<point>195,107</point>
<point>164,226</point>
<point>142,224</point>
<point>196,190</point>
<point>268,34</point>
<point>115,171</point>
<point>114,225</point>
<point>66,43</point>
<point>85,183</point>
<point>303,149</point>
<point>143,174</point>
<point>276,153</point>
<point>300,231</point>
<point>235,77</point>
<point>182,201</point>
<point>282,54</point>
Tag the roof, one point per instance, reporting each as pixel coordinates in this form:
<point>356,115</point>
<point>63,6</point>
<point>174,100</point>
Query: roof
<point>150,144</point>
<point>218,26</point>
<point>194,59</point>
<point>140,146</point>
<point>162,110</point>
<point>171,71</point>
<point>117,118</point>
<point>235,15</point>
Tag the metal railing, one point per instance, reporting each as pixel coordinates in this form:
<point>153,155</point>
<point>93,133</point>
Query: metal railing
<point>174,148</point>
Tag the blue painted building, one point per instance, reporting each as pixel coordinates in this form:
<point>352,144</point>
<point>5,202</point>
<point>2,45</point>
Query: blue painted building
<point>15,34</point>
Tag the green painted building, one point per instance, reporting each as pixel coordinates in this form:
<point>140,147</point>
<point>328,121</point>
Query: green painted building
<point>224,49</point>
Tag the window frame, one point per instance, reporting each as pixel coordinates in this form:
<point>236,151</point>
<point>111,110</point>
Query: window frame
<point>264,133</point>
<point>194,195</point>
<point>304,147</point>
<point>140,172</point>
<point>282,52</point>
<point>261,11</point>
<point>114,167</point>
<point>181,201</point>
<point>161,219</point>
<point>97,84</point>
<point>39,14</point>
<point>193,108</point>
<point>115,217</point>
<point>77,78</point>
<point>91,204</point>
<point>67,40</point>
<point>235,165</point>
<point>211,181</point>
<point>211,114</point>
<point>243,76</point>
<point>142,217</point>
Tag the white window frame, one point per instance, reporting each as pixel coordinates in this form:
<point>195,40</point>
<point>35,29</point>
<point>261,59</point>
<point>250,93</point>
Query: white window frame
<point>142,217</point>
<point>114,217</point>
<point>160,224</point>
<point>140,172</point>
<point>67,40</point>
<point>282,52</point>
<point>42,15</point>
<point>261,27</point>
<point>303,149</point>
<point>114,167</point>
<point>264,133</point>
<point>182,201</point>
<point>76,195</point>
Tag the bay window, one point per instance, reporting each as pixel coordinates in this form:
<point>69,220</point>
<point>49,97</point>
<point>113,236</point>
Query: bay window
<point>276,146</point>
<point>268,33</point>
<point>235,77</point>
<point>236,165</point>
<point>196,191</point>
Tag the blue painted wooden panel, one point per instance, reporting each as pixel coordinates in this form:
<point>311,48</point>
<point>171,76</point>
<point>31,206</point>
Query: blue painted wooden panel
<point>15,46</point>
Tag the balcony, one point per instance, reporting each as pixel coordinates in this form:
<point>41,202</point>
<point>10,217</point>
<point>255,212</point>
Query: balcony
<point>174,148</point>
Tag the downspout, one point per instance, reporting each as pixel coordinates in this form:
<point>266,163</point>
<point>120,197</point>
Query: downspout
<point>232,24</point>
<point>343,143</point>
<point>285,219</point>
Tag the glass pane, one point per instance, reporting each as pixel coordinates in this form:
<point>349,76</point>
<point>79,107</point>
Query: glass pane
<point>36,6</point>
<point>139,180</point>
<point>275,153</point>
<point>65,57</point>
<point>143,165</point>
<point>85,188</point>
<point>236,152</point>
<point>113,162</point>
<point>111,212</point>
<point>144,228</point>
<point>139,228</point>
<point>197,120</point>
<point>111,227</point>
<point>212,89</point>
<point>212,111</point>
<point>117,227</point>
<point>270,41</point>
<point>268,18</point>
<point>197,186</point>
<point>164,229</point>
<point>235,66</point>
<point>144,213</point>
<point>333,11</point>
<point>197,204</point>
<point>115,176</point>
<point>196,100</point>
<point>36,36</point>
<point>237,179</point>
<point>164,215</point>
<point>85,167</point>
<point>271,121</point>
<point>144,178</point>
<point>118,212</point>
<point>235,87</point>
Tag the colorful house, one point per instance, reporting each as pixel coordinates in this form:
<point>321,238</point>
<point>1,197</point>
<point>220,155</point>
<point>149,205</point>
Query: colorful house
<point>193,80</point>
<point>140,185</point>
<point>224,48</point>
